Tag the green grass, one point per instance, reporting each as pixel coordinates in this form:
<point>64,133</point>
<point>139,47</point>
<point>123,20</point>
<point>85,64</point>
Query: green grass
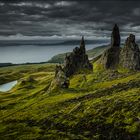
<point>11,73</point>
<point>101,105</point>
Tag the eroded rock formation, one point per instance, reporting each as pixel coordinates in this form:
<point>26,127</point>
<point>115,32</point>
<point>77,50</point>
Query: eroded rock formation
<point>77,60</point>
<point>60,80</point>
<point>115,37</point>
<point>110,58</point>
<point>130,54</point>
<point>127,57</point>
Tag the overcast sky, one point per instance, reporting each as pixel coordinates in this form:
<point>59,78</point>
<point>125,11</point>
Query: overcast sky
<point>51,19</point>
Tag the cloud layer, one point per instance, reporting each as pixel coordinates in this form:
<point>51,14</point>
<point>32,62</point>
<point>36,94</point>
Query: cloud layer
<point>50,18</point>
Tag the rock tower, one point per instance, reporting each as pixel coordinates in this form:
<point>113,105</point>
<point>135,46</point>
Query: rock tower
<point>77,60</point>
<point>60,80</point>
<point>110,58</point>
<point>130,54</point>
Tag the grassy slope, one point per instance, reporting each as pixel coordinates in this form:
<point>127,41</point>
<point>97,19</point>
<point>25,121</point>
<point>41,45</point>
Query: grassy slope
<point>11,73</point>
<point>104,105</point>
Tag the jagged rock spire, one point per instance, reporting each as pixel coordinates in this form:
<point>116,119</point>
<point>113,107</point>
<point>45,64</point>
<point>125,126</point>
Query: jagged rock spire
<point>82,45</point>
<point>60,80</point>
<point>130,54</point>
<point>77,60</point>
<point>82,41</point>
<point>110,58</point>
<point>130,39</point>
<point>127,57</point>
<point>115,36</point>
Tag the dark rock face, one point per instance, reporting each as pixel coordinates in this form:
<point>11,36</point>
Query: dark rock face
<point>115,37</point>
<point>77,60</point>
<point>110,58</point>
<point>60,80</point>
<point>130,54</point>
<point>127,57</point>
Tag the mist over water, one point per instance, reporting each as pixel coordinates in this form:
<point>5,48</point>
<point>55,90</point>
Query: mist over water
<point>35,53</point>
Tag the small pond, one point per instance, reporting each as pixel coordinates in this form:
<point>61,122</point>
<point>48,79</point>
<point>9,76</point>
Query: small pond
<point>7,86</point>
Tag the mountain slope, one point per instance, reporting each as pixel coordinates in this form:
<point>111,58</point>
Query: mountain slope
<point>104,105</point>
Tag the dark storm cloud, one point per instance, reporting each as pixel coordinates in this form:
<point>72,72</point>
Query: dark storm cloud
<point>56,18</point>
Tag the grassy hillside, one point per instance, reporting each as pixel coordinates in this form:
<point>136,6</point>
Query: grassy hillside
<point>103,106</point>
<point>91,54</point>
<point>11,73</point>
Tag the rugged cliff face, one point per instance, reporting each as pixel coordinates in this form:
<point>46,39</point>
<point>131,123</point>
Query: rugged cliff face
<point>110,58</point>
<point>77,60</point>
<point>130,54</point>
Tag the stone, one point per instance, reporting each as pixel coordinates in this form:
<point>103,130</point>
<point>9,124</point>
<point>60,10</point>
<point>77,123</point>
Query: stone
<point>62,80</point>
<point>82,46</point>
<point>115,37</point>
<point>77,60</point>
<point>130,54</point>
<point>110,58</point>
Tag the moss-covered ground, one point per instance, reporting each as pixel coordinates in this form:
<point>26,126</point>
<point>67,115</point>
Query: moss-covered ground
<point>103,105</point>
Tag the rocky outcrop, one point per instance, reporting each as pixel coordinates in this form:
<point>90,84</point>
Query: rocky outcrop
<point>127,57</point>
<point>130,54</point>
<point>77,60</point>
<point>115,37</point>
<point>110,58</point>
<point>60,80</point>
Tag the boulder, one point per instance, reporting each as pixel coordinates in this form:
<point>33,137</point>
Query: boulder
<point>130,54</point>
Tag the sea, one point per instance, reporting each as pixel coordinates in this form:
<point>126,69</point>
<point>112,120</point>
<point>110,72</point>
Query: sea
<point>18,54</point>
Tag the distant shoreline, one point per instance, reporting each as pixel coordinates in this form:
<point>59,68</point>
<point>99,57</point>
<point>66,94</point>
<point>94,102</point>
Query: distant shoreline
<point>53,58</point>
<point>11,64</point>
<point>47,62</point>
